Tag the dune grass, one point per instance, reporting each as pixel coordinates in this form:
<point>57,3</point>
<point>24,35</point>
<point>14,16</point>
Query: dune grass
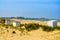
<point>34,26</point>
<point>31,26</point>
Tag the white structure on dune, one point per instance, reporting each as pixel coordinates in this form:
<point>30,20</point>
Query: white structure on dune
<point>15,23</point>
<point>7,22</point>
<point>52,23</point>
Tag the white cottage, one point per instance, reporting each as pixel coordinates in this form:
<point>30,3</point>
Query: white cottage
<point>15,23</point>
<point>52,23</point>
<point>7,22</point>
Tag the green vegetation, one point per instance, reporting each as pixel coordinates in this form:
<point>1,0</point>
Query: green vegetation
<point>22,25</point>
<point>32,26</point>
<point>28,27</point>
<point>2,20</point>
<point>7,30</point>
<point>22,30</point>
<point>58,28</point>
<point>47,28</point>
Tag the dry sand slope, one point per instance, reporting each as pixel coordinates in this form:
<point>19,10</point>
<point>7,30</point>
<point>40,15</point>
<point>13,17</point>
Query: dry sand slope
<point>32,35</point>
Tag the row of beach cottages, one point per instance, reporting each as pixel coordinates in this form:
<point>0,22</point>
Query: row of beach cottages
<point>14,23</point>
<point>51,23</point>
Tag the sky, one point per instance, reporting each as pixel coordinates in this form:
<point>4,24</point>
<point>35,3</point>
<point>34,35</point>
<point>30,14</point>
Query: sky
<point>30,8</point>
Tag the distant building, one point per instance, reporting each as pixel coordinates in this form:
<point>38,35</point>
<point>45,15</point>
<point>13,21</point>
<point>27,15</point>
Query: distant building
<point>15,23</point>
<point>7,22</point>
<point>52,23</point>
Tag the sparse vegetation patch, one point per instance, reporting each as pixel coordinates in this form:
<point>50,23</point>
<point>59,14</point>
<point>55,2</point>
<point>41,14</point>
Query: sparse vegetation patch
<point>47,28</point>
<point>14,32</point>
<point>32,26</point>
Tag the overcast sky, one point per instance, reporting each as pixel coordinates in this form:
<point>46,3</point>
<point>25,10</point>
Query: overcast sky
<point>30,8</point>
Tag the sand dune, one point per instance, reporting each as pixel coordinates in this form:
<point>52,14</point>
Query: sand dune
<point>33,35</point>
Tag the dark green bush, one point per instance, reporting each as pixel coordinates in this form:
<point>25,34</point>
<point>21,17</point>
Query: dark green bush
<point>47,28</point>
<point>41,25</point>
<point>7,30</point>
<point>58,28</point>
<point>32,26</point>
<point>21,25</point>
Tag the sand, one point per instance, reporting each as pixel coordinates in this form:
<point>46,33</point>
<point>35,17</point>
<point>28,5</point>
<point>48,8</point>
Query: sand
<point>32,35</point>
<point>30,21</point>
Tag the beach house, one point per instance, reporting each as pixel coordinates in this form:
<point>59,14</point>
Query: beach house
<point>13,22</point>
<point>16,23</point>
<point>52,23</point>
<point>7,22</point>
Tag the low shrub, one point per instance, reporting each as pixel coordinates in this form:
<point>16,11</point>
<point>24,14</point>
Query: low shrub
<point>32,26</point>
<point>41,25</point>
<point>7,30</point>
<point>58,28</point>
<point>21,25</point>
<point>6,27</point>
<point>47,28</point>
<point>22,30</point>
<point>11,25</point>
<point>13,32</point>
